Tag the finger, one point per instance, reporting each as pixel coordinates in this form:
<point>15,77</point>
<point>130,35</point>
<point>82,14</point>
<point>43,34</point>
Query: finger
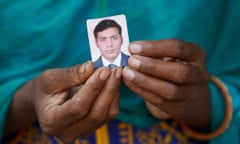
<point>180,73</point>
<point>100,111</point>
<point>80,104</point>
<point>167,106</point>
<point>57,80</point>
<point>157,112</point>
<point>152,89</point>
<point>167,48</point>
<point>146,95</point>
<point>104,101</point>
<point>114,108</point>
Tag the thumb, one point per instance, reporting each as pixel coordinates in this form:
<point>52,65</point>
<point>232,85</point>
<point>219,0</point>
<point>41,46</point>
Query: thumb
<point>57,80</point>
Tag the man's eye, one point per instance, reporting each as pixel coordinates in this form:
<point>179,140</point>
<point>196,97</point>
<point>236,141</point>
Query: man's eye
<point>102,39</point>
<point>114,37</point>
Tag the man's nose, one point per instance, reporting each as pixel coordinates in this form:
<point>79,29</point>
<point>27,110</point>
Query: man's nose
<point>109,42</point>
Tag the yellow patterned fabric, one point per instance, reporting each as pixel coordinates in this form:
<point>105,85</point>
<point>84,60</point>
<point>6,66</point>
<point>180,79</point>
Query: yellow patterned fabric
<point>115,132</point>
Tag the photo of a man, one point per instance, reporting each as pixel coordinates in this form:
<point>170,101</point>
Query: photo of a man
<point>109,40</point>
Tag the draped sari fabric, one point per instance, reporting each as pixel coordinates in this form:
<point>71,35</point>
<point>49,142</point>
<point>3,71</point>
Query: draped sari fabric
<point>38,35</point>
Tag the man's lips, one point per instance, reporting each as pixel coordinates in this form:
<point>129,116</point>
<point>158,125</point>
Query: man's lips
<point>110,51</point>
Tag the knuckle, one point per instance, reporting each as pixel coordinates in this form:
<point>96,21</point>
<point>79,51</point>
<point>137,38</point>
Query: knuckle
<point>113,89</point>
<point>49,75</point>
<point>182,73</point>
<point>73,75</point>
<point>150,67</point>
<point>171,92</point>
<point>145,82</point>
<point>46,79</point>
<point>95,87</point>
<point>79,112</point>
<point>98,114</point>
<point>178,47</point>
<point>148,44</point>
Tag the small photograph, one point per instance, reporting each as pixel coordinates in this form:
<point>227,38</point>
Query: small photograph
<point>109,40</point>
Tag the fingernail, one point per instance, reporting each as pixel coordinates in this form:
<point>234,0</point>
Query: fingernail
<point>134,62</point>
<point>86,66</point>
<point>135,48</point>
<point>104,75</point>
<point>128,73</point>
<point>83,68</point>
<point>118,72</point>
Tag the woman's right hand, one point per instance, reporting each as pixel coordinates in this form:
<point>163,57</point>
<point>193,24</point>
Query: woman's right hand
<point>74,101</point>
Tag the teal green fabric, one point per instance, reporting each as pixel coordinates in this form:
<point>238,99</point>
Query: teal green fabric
<point>38,35</point>
<point>7,91</point>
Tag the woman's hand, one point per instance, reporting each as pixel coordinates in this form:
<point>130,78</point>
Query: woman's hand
<point>171,77</point>
<point>74,101</point>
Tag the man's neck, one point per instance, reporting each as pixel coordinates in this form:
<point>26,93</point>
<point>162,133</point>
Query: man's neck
<point>116,61</point>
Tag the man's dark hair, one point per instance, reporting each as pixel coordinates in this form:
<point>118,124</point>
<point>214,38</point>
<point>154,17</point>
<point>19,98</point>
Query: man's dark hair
<point>104,24</point>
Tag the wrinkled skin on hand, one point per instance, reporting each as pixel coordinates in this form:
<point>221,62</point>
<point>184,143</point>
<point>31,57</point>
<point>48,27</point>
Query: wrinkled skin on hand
<point>67,112</point>
<point>171,77</point>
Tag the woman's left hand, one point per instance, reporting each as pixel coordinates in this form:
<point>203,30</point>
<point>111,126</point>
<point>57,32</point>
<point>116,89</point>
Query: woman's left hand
<point>171,77</point>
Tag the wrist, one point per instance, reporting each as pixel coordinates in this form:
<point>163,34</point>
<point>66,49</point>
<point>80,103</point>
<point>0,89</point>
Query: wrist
<point>21,111</point>
<point>225,121</point>
<point>198,112</point>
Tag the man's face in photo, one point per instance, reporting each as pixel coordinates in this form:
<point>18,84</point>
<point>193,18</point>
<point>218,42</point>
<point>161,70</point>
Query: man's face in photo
<point>109,42</point>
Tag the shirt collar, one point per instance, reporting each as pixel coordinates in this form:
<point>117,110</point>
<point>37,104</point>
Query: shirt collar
<point>117,61</point>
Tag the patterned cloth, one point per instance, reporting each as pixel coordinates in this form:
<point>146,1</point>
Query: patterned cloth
<point>116,132</point>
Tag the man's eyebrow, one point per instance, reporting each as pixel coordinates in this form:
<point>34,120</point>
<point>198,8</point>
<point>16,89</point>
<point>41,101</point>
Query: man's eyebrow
<point>114,35</point>
<point>101,38</point>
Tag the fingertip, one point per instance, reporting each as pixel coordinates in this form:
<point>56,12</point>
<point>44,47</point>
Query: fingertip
<point>117,72</point>
<point>128,73</point>
<point>83,67</point>
<point>88,66</point>
<point>134,62</point>
<point>104,74</point>
<point>135,48</point>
